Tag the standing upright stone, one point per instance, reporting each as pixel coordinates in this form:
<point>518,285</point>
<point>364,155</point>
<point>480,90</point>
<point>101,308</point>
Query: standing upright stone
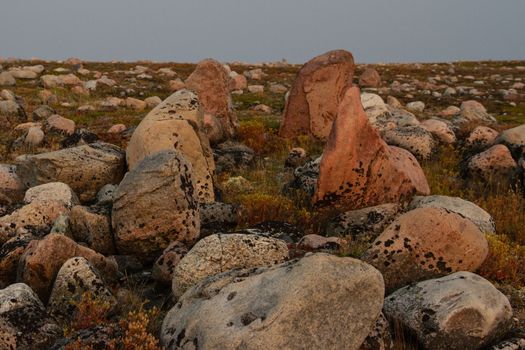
<point>359,169</point>
<point>317,91</point>
<point>155,205</point>
<point>177,123</point>
<point>211,82</point>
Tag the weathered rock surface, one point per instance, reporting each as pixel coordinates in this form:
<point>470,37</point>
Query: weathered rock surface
<point>44,204</point>
<point>358,169</point>
<point>426,243</point>
<point>219,217</point>
<point>159,195</point>
<point>460,311</point>
<point>473,111</point>
<point>92,225</point>
<point>312,105</point>
<point>370,78</point>
<point>466,209</point>
<point>367,223</point>
<point>482,137</point>
<point>165,265</point>
<point>211,82</point>
<point>230,155</point>
<point>222,252</point>
<point>294,305</point>
<point>493,165</point>
<point>177,123</point>
<point>415,139</point>
<point>76,277</point>
<point>85,168</point>
<point>43,259</point>
<point>440,129</point>
<point>24,322</point>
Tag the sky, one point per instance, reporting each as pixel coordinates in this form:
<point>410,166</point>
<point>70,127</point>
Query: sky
<point>263,30</point>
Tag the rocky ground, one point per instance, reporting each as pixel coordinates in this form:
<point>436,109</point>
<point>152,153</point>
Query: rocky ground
<point>200,206</point>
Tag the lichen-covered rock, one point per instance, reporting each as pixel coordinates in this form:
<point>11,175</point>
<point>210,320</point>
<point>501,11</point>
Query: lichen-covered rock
<point>467,209</point>
<point>11,188</point>
<point>415,139</point>
<point>230,155</point>
<point>440,129</point>
<point>76,277</point>
<point>85,168</point>
<point>366,223</point>
<point>358,169</point>
<point>426,243</point>
<point>165,265</point>
<point>295,305</point>
<point>493,165</point>
<point>218,217</point>
<point>482,137</point>
<point>222,252</point>
<point>24,321</point>
<point>177,123</point>
<point>393,118</point>
<point>43,259</point>
<point>459,311</point>
<point>52,191</point>
<point>100,336</point>
<point>92,225</point>
<point>211,82</point>
<point>44,204</point>
<point>306,176</point>
<point>160,197</point>
<point>312,104</point>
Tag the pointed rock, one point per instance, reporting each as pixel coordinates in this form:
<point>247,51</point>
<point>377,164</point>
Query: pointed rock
<point>312,105</point>
<point>211,82</point>
<point>359,169</point>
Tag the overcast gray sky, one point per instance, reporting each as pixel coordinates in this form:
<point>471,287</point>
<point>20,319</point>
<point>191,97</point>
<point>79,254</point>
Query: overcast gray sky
<point>263,30</point>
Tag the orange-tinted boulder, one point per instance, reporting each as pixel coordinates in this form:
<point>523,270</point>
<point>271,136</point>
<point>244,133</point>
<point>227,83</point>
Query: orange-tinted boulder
<point>370,78</point>
<point>312,104</point>
<point>43,259</point>
<point>211,82</point>
<point>359,169</point>
<point>426,243</point>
